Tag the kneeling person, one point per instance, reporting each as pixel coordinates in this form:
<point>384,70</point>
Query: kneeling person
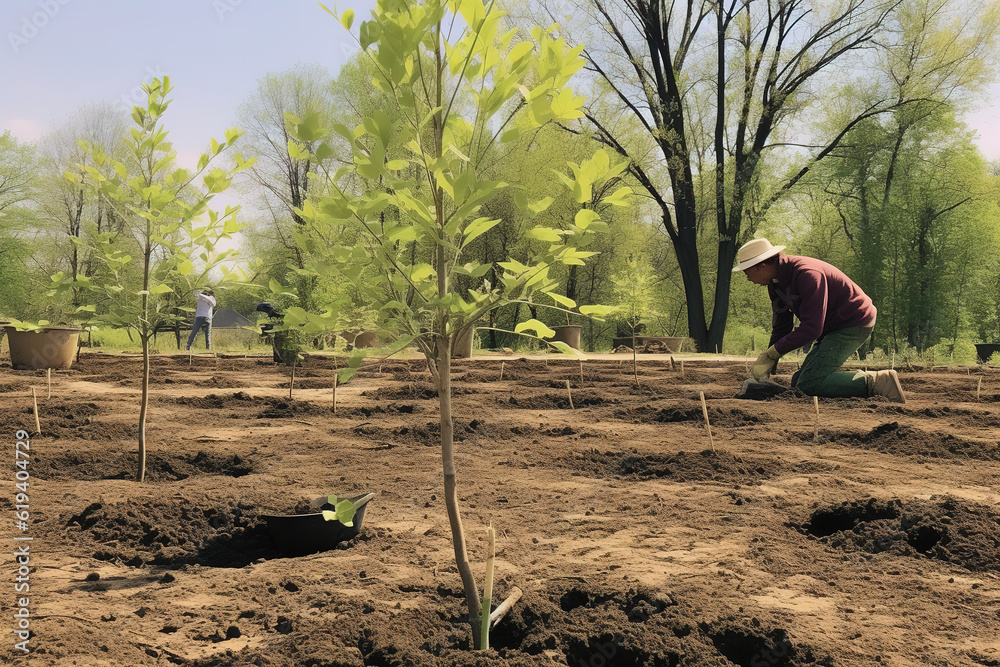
<point>832,311</point>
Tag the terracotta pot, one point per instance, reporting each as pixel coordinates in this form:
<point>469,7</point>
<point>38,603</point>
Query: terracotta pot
<point>569,334</point>
<point>52,347</point>
<point>360,339</point>
<point>672,343</point>
<point>461,346</point>
<point>300,534</point>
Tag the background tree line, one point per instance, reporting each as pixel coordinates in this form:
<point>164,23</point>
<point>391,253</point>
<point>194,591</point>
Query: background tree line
<point>831,126</point>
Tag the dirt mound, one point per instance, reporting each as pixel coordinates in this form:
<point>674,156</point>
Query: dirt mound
<point>370,410</point>
<point>703,466</point>
<point>591,625</point>
<point>220,382</point>
<point>214,401</point>
<point>11,387</point>
<point>278,408</point>
<point>160,466</point>
<point>949,530</point>
<point>893,438</point>
<point>428,433</point>
<point>643,551</point>
<point>722,417</point>
<point>174,531</point>
<point>405,393</point>
<point>87,429</point>
<point>978,418</point>
<point>312,383</point>
<point>555,401</point>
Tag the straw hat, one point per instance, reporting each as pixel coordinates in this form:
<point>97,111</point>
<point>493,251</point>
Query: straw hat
<point>754,252</point>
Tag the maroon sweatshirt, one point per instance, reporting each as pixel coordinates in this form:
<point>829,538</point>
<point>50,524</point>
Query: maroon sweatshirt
<point>820,295</point>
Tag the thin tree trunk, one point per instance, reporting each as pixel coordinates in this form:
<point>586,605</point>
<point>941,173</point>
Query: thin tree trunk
<point>144,334</point>
<point>451,490</point>
<point>140,474</point>
<point>442,355</point>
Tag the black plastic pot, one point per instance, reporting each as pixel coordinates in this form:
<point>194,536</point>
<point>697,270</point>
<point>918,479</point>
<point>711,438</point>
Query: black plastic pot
<point>301,534</point>
<point>986,350</point>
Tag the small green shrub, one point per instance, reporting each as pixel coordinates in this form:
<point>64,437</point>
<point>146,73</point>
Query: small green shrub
<point>962,351</point>
<point>744,340</point>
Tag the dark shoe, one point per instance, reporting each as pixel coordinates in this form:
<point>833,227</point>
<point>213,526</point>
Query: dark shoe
<point>886,383</point>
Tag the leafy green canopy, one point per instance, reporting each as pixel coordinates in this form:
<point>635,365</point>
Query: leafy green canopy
<point>453,104</point>
<point>416,187</point>
<point>167,213</point>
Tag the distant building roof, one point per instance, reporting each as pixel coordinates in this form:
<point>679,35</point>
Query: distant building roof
<point>227,318</point>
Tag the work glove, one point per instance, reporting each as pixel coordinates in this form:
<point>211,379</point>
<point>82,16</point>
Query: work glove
<point>765,364</point>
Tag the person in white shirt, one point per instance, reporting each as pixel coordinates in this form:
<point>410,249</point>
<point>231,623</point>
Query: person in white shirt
<point>203,317</point>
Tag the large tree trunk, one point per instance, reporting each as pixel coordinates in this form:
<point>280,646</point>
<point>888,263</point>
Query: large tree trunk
<point>686,250</point>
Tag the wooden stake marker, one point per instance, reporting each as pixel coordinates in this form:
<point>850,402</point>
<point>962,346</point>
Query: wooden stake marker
<point>581,372</point>
<point>708,425</point>
<point>979,388</point>
<point>336,378</point>
<point>570,394</point>
<point>484,615</point>
<point>34,401</point>
<point>291,382</point>
<point>505,606</point>
<point>48,375</point>
<point>501,372</point>
<point>816,431</point>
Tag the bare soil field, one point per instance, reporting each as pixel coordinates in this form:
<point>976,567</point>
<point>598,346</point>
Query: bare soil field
<point>636,544</point>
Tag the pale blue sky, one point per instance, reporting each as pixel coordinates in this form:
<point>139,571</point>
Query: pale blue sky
<point>57,55</point>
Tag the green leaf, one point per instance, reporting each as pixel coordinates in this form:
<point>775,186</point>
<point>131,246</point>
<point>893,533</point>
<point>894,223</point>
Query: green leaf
<point>540,329</point>
<point>345,512</point>
<point>544,234</point>
<point>347,20</point>
<point>562,300</point>
<point>513,266</point>
<point>584,217</point>
<point>564,348</point>
<point>597,311</point>
<point>620,197</point>
<point>369,34</point>
<point>477,228</point>
<point>403,234</point>
<point>541,204</point>
<point>422,272</point>
<point>323,152</point>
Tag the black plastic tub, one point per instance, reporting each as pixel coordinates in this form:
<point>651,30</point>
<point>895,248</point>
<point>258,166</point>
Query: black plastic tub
<point>301,534</point>
<point>986,350</point>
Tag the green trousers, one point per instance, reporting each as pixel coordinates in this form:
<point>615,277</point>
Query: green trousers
<point>820,374</point>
